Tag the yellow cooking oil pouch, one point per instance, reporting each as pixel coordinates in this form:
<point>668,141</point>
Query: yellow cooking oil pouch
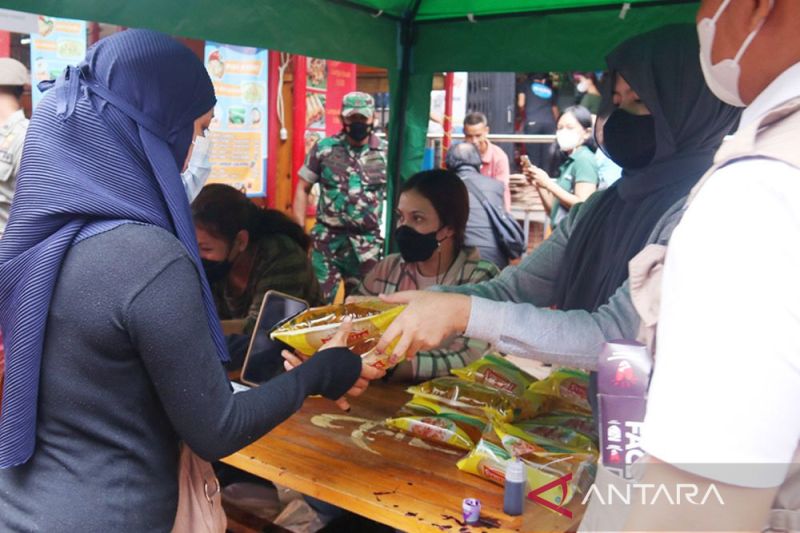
<point>307,332</point>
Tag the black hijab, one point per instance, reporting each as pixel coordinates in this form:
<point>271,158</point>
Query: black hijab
<point>662,66</point>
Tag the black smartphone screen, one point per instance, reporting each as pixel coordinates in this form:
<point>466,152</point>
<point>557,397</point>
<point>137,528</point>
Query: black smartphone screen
<point>264,360</point>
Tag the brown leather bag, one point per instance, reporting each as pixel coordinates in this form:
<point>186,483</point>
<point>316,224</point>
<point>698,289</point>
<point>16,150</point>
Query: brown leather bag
<point>199,496</point>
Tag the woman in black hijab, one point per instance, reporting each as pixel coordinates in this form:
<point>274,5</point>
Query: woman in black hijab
<point>664,131</point>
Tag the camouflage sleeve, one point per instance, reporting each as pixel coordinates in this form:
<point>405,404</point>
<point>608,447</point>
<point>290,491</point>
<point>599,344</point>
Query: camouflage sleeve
<point>310,171</point>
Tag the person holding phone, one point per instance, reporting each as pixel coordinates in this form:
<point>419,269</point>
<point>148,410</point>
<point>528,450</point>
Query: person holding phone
<point>247,251</point>
<point>571,295</point>
<point>577,176</point>
<point>113,344</point>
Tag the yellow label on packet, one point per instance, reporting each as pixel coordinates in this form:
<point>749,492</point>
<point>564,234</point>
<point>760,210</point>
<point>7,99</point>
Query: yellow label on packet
<point>309,331</point>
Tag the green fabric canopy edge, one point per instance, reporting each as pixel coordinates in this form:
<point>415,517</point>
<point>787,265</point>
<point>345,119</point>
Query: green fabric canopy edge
<point>558,36</point>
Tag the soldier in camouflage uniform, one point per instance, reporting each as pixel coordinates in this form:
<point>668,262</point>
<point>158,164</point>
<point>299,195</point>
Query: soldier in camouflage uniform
<point>350,168</point>
<point>13,125</point>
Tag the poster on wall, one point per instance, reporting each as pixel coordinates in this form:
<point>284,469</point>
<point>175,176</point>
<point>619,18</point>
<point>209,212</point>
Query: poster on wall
<point>436,122</point>
<point>239,129</point>
<point>58,44</point>
<point>326,84</point>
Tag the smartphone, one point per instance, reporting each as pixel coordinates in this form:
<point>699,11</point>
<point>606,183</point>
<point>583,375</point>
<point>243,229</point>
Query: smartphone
<point>263,360</point>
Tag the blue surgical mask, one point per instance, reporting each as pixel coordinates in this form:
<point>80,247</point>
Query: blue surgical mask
<point>199,167</point>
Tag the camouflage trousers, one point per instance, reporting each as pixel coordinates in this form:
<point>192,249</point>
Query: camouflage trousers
<point>341,255</point>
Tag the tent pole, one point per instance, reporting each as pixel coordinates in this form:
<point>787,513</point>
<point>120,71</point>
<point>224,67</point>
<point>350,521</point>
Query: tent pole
<point>397,118</point>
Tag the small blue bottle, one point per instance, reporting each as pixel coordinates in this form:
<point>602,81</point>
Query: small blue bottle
<point>514,493</point>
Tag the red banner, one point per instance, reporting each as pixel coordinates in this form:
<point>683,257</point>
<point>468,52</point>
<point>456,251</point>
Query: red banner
<point>320,86</point>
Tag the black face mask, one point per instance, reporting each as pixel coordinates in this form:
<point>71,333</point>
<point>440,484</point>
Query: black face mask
<point>415,246</point>
<point>358,131</point>
<point>630,140</point>
<point>216,270</point>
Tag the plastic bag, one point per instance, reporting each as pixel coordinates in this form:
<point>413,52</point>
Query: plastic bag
<point>567,385</point>
<point>490,459</point>
<point>581,423</point>
<point>494,371</point>
<point>479,400</point>
<point>525,438</point>
<point>308,331</point>
<point>435,422</point>
<point>554,436</point>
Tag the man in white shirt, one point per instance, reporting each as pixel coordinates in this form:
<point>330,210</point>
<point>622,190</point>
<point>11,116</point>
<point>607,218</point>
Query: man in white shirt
<point>724,401</point>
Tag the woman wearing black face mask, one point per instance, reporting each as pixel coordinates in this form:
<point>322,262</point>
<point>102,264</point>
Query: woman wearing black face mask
<point>663,132</point>
<point>432,215</point>
<point>247,251</point>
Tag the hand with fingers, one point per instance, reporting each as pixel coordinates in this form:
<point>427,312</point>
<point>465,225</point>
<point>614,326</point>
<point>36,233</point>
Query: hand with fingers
<point>537,176</point>
<point>428,319</point>
<point>339,340</point>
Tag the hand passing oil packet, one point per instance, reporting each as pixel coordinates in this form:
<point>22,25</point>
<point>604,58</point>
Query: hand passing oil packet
<point>307,332</point>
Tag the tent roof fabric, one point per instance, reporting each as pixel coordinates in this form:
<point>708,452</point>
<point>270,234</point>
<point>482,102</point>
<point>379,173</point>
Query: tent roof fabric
<point>463,9</point>
<point>474,35</point>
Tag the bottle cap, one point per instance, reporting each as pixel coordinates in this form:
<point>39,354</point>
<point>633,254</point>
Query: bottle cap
<point>471,508</point>
<point>515,471</point>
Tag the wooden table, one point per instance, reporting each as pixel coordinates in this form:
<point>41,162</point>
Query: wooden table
<point>386,476</point>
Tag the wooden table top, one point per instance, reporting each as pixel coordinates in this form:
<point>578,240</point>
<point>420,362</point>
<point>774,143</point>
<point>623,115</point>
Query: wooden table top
<point>352,461</point>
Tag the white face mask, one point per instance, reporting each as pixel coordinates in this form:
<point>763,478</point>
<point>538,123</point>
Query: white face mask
<point>568,139</point>
<point>722,78</point>
<point>582,86</point>
<point>199,168</point>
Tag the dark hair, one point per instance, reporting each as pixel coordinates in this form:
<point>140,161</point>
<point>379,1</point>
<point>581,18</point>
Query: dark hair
<point>581,114</point>
<point>475,117</point>
<point>448,195</point>
<point>13,90</point>
<point>462,154</point>
<point>584,118</point>
<point>224,211</point>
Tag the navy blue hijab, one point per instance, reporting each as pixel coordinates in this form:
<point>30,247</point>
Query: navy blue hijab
<point>104,147</point>
<point>663,67</point>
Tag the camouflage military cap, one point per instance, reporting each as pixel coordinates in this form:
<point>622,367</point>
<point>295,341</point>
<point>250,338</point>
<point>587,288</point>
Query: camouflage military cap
<point>358,103</point>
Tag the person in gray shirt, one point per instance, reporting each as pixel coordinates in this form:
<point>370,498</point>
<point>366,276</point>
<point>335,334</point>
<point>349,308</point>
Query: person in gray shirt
<point>465,160</point>
<point>570,296</point>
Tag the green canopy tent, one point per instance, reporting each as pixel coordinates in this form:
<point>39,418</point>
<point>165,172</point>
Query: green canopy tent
<point>412,39</point>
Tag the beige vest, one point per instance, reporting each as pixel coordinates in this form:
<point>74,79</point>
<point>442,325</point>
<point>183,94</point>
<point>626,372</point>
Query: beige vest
<point>776,136</point>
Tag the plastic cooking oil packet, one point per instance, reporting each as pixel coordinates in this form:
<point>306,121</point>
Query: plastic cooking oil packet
<point>480,400</point>
<point>495,371</point>
<point>308,331</point>
<point>441,429</point>
<point>436,422</point>
<point>568,385</point>
<point>490,460</point>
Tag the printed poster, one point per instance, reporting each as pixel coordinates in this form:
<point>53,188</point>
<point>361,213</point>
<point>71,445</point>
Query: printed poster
<point>58,44</point>
<point>239,129</point>
<point>326,84</point>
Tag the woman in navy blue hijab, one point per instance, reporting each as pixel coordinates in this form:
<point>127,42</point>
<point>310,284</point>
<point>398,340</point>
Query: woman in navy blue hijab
<point>113,345</point>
